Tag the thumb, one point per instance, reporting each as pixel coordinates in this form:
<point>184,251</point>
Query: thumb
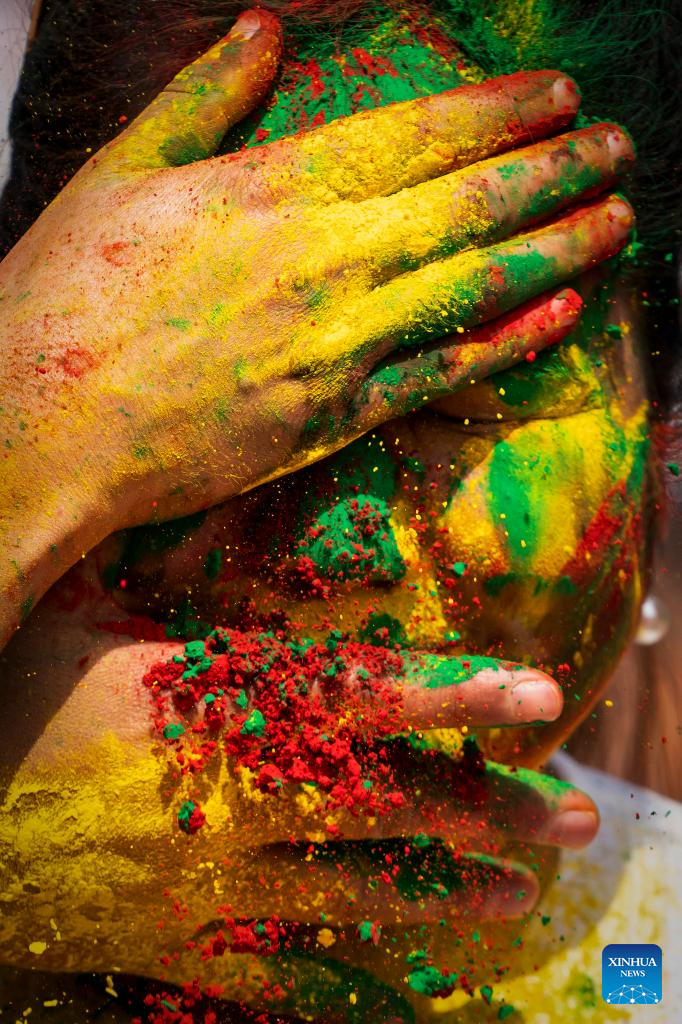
<point>187,121</point>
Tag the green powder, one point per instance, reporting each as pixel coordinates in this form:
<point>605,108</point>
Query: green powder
<point>213,563</point>
<point>254,724</point>
<point>427,979</point>
<point>512,505</point>
<point>178,322</point>
<point>354,540</point>
<point>433,671</point>
<point>185,813</point>
<point>383,630</point>
<point>173,731</point>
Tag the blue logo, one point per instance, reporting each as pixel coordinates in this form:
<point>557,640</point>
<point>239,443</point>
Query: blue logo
<point>632,973</point>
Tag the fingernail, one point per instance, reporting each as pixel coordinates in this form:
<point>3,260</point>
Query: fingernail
<point>619,209</point>
<point>566,94</point>
<point>247,24</point>
<point>565,306</point>
<point>571,829</point>
<point>619,143</point>
<point>535,699</point>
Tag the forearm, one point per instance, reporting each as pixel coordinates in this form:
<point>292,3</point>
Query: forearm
<point>53,476</point>
<point>50,515</point>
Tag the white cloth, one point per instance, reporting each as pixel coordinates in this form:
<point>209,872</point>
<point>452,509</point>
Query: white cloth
<point>628,885</point>
<point>15,19</point>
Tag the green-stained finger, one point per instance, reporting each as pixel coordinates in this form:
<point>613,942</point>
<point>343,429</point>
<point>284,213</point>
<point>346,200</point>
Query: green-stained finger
<point>407,383</point>
<point>450,691</point>
<point>488,202</point>
<point>329,874</point>
<point>481,806</point>
<point>479,285</point>
<point>431,880</point>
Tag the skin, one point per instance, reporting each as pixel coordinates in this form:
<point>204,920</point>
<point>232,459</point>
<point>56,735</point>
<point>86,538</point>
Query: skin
<point>466,581</point>
<point>89,761</point>
<point>92,738</point>
<point>112,765</point>
<point>181,267</point>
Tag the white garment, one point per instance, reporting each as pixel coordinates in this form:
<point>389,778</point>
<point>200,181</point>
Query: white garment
<point>15,19</point>
<point>625,887</point>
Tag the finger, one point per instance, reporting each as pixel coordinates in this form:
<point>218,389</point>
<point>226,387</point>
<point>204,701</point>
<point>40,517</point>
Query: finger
<point>378,152</point>
<point>474,287</point>
<point>436,692</point>
<point>408,881</point>
<point>187,121</point>
<point>403,385</point>
<point>420,690</point>
<point>484,806</point>
<point>448,692</point>
<point>296,881</point>
<point>475,805</point>
<point>490,201</point>
<point>464,887</point>
<point>523,805</point>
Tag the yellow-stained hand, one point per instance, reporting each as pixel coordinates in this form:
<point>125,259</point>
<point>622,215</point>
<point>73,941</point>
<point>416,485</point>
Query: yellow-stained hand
<point>178,327</point>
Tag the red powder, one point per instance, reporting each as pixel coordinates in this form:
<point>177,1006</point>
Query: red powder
<point>112,253</point>
<point>290,710</point>
<point>75,361</point>
<point>371,66</point>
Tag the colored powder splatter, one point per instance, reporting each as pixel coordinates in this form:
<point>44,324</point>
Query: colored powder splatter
<point>288,709</point>
<point>191,817</point>
<point>353,540</point>
<point>437,671</point>
<point>173,731</point>
<point>383,630</point>
<point>369,931</point>
<point>216,676</point>
<point>254,724</point>
<point>427,979</point>
<point>213,563</point>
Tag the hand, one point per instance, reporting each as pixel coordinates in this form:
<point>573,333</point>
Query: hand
<point>178,327</point>
<point>91,814</point>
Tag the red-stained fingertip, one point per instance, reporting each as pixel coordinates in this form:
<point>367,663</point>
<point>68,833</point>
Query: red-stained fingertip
<point>619,209</point>
<point>566,305</point>
<point>566,95</point>
<point>549,322</point>
<point>250,22</point>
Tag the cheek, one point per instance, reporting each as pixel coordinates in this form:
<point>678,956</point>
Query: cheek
<point>552,524</point>
<point>524,504</point>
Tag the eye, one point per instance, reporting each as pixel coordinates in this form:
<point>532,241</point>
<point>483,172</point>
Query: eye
<point>561,382</point>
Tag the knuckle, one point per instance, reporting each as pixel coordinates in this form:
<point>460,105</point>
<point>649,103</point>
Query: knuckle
<point>308,363</point>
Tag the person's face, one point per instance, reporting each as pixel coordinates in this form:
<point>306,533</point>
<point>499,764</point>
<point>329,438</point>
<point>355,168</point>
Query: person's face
<point>510,519</point>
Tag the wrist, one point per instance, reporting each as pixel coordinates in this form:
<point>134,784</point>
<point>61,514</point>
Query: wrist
<point>52,511</point>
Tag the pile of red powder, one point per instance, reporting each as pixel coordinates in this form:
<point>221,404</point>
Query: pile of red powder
<point>290,710</point>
